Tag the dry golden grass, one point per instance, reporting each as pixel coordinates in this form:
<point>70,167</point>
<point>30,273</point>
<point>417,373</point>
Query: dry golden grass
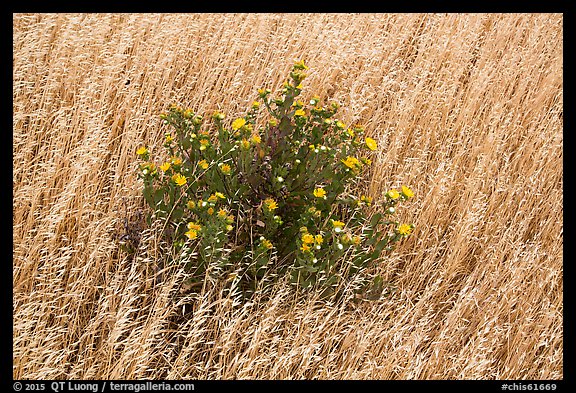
<point>467,110</point>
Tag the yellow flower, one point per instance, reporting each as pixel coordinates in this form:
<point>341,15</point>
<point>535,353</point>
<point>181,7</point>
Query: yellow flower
<point>191,204</point>
<point>305,247</point>
<point>179,179</point>
<point>229,227</point>
<point>238,123</point>
<point>307,238</point>
<point>352,162</point>
<point>320,193</point>
<point>300,112</point>
<point>222,213</point>
<point>188,113</point>
<point>204,143</point>
<point>255,105</point>
<point>300,84</point>
<point>366,199</point>
<point>366,161</point>
<point>211,211</point>
<point>407,192</point>
<point>350,132</point>
<point>192,234</point>
<point>230,219</point>
<point>226,169</point>
<point>148,168</point>
<point>194,226</point>
<point>371,143</point>
<point>203,164</point>
<point>270,204</point>
<point>245,144</point>
<point>176,160</point>
<point>220,195</point>
<point>165,166</point>
<point>218,115</point>
<point>300,65</point>
<point>142,150</point>
<point>168,139</point>
<point>256,139</point>
<point>212,198</point>
<point>393,194</point>
<point>356,240</point>
<point>340,125</point>
<point>319,239</point>
<point>405,229</point>
<point>267,244</point>
<point>338,225</point>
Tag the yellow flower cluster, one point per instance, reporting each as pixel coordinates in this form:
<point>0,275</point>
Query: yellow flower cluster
<point>148,168</point>
<point>394,194</point>
<point>309,241</point>
<point>352,163</point>
<point>366,199</point>
<point>214,197</point>
<point>193,229</point>
<point>203,164</point>
<point>266,244</point>
<point>347,238</point>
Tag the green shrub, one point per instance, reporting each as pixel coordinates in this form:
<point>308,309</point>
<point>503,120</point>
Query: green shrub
<point>249,201</point>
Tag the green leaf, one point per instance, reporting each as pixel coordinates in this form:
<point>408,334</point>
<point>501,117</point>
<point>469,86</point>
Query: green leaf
<point>148,197</point>
<point>158,196</point>
<point>177,214</point>
<point>379,248</point>
<point>374,221</point>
